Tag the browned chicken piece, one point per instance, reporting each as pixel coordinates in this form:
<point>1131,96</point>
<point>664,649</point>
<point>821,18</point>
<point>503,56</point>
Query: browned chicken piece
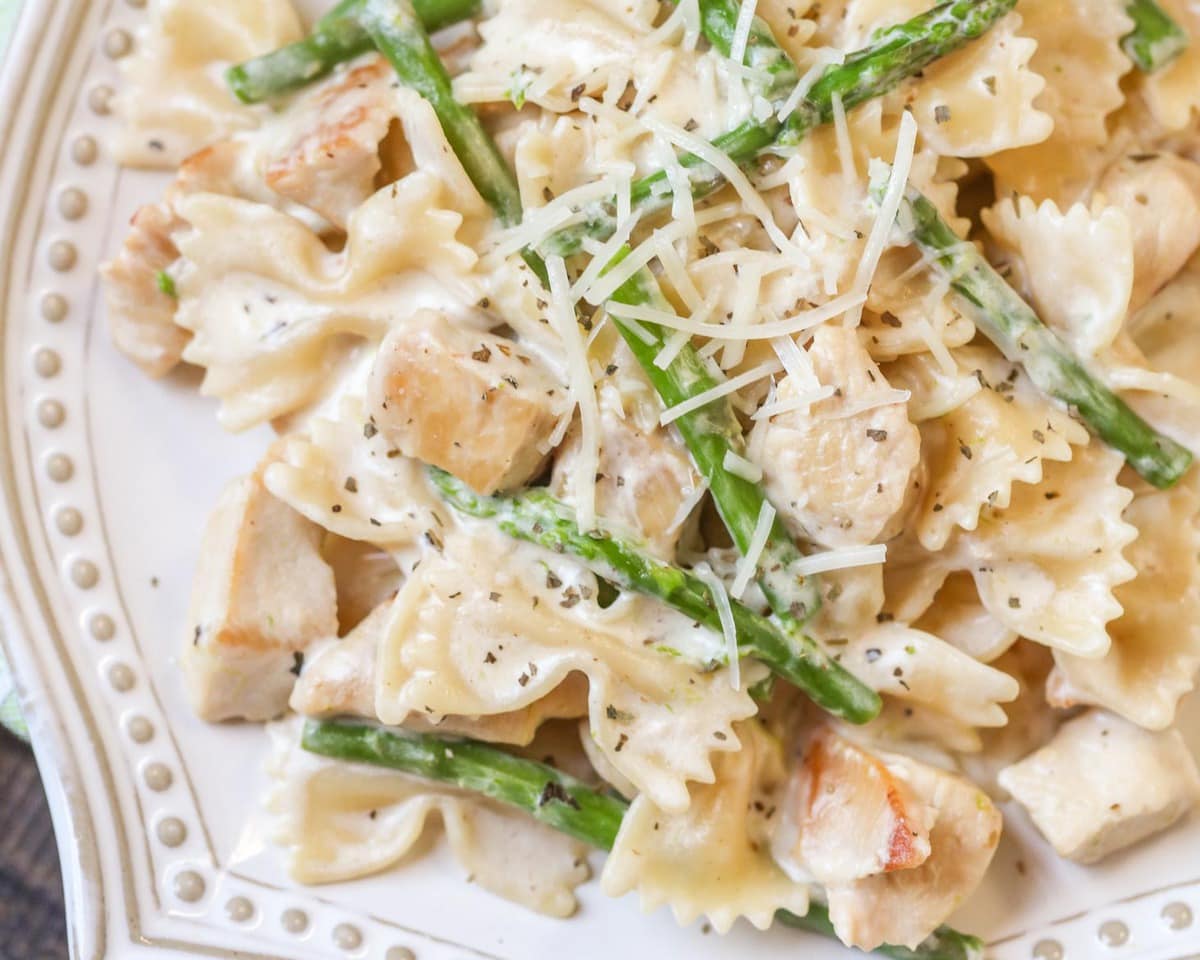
<point>471,403</point>
<point>1161,195</point>
<point>643,483</point>
<point>328,157</point>
<point>853,817</point>
<point>839,472</point>
<point>366,576</point>
<point>262,594</point>
<point>903,907</point>
<point>339,679</point>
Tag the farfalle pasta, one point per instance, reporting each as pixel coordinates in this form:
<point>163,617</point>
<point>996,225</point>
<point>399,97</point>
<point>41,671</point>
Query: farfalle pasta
<point>784,408</point>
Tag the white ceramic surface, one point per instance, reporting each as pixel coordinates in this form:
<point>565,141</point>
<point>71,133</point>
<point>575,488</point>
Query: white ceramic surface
<point>105,479</point>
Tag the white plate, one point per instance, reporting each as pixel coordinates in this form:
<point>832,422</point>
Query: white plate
<point>106,479</point>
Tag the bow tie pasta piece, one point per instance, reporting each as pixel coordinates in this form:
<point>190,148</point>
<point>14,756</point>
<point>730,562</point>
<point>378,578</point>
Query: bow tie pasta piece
<point>1165,335</point>
<point>173,99</point>
<point>473,404</point>
<point>277,319</point>
<point>473,637</point>
<point>336,143</point>
<point>645,482</point>
<point>977,454</point>
<point>345,475</point>
<point>539,52</point>
<point>933,390</point>
<point>1156,643</point>
<point>1031,720</point>
<point>839,472</point>
<point>339,679</point>
<point>1161,197</point>
<point>1080,58</point>
<point>339,821</point>
<point>1103,784</point>
<point>262,594</point>
<point>1078,265</point>
<point>1047,564</point>
<point>1173,93</point>
<point>821,179</point>
<point>905,906</point>
<point>139,282</point>
<point>977,100</point>
<point>958,616</point>
<point>912,665</point>
<point>711,860</point>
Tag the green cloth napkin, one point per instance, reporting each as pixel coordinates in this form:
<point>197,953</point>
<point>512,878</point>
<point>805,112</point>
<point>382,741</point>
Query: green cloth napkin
<point>10,713</point>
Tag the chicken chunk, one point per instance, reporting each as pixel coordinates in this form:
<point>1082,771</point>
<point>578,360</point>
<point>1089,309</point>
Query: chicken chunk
<point>852,817</point>
<point>468,402</point>
<point>839,473</point>
<point>339,679</point>
<point>1161,196</point>
<point>904,907</point>
<point>261,596</point>
<point>1103,783</point>
<point>327,157</point>
<point>645,480</point>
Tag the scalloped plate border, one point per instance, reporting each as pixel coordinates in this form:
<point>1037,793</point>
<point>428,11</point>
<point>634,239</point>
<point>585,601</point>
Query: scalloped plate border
<point>151,887</point>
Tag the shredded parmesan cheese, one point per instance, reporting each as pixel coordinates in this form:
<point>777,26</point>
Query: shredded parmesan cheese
<point>786,327</point>
<point>741,31</point>
<point>747,568</point>
<point>906,142</point>
<point>825,58</point>
<point>731,385</point>
<point>841,130</point>
<point>802,402</point>
<point>741,467</point>
<point>583,390</point>
<point>714,157</point>
<point>675,343</point>
<point>725,612</point>
<point>844,559</point>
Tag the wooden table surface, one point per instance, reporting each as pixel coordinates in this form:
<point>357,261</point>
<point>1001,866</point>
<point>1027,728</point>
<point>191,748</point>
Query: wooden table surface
<point>32,920</point>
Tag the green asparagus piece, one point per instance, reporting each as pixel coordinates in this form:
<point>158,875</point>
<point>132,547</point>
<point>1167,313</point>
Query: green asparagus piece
<point>401,37</point>
<point>718,22</point>
<point>945,943</point>
<point>1156,39</point>
<point>537,517</point>
<point>336,38</point>
<point>895,55</point>
<point>1011,324</point>
<point>550,796</point>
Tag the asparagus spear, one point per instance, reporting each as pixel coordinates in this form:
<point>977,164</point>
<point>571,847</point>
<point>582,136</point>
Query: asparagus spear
<point>1156,39</point>
<point>896,54</point>
<point>401,37</point>
<point>718,22</point>
<point>551,797</point>
<point>1010,323</point>
<point>336,38</point>
<point>537,517</point>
